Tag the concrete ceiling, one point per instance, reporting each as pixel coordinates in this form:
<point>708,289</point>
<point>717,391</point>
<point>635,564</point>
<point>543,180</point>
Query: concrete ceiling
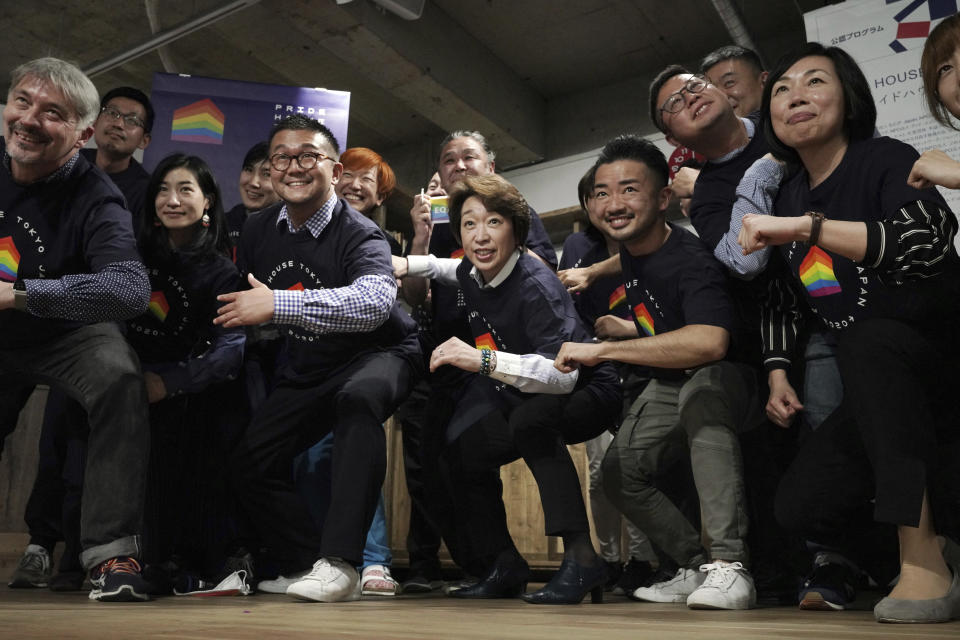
<point>543,79</point>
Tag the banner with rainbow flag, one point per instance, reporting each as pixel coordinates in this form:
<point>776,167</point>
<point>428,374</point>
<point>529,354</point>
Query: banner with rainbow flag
<point>219,120</point>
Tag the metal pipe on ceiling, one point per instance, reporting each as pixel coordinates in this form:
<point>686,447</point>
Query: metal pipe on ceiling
<point>170,35</point>
<point>737,29</point>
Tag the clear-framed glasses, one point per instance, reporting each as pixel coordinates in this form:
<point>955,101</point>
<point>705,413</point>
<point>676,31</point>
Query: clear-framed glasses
<point>675,101</point>
<point>130,120</point>
<point>307,160</point>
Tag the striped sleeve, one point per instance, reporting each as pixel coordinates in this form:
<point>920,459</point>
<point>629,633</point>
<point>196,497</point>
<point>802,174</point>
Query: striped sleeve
<point>779,324</point>
<point>913,243</point>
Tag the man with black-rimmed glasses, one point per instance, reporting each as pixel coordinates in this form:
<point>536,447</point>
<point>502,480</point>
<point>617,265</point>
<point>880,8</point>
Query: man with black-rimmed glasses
<point>321,271</point>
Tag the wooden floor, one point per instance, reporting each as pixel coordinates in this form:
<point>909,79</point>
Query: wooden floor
<point>43,614</point>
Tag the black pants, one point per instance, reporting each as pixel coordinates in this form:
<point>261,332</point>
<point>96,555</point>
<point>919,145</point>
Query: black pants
<point>353,402</point>
<point>537,430</point>
<point>864,471</point>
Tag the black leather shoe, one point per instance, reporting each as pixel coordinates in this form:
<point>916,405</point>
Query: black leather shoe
<point>571,583</point>
<point>507,579</point>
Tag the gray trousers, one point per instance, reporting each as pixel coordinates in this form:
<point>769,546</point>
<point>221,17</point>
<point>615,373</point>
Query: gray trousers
<point>703,412</point>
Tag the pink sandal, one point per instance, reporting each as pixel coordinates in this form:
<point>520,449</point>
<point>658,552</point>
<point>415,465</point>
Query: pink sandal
<point>377,581</point>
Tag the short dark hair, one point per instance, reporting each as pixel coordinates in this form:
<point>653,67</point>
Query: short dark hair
<point>255,155</point>
<point>729,52</point>
<point>940,45</point>
<point>298,122</point>
<point>859,110</point>
<point>207,241</point>
<point>656,85</point>
<point>136,95</point>
<point>585,186</point>
<point>496,194</point>
<point>633,147</point>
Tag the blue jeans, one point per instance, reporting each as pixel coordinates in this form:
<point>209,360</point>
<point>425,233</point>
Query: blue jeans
<point>822,386</point>
<point>95,366</point>
<point>312,477</point>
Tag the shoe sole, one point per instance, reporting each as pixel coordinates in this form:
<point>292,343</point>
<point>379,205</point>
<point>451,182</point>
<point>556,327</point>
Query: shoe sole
<point>658,599</point>
<point>717,607</point>
<point>814,601</point>
<point>26,584</point>
<point>126,593</point>
<point>310,596</point>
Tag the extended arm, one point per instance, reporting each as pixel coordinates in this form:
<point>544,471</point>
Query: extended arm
<point>684,348</point>
<point>580,278</point>
<point>755,194</point>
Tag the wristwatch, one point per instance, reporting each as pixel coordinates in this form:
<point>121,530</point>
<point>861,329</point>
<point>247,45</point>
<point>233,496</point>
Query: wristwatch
<point>20,295</point>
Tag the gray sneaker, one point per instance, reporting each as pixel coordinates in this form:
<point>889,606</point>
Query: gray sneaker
<point>33,572</point>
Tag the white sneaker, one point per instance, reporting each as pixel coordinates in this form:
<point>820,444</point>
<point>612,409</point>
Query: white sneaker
<point>331,580</point>
<point>280,584</point>
<point>676,589</point>
<point>727,586</point>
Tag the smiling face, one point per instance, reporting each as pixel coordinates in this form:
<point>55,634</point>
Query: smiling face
<point>806,104</point>
<point>700,113</point>
<point>359,188</point>
<point>948,83</point>
<point>114,135</point>
<point>180,204</point>
<point>304,190</point>
<point>256,190</point>
<point>487,237</point>
<point>40,127</point>
<point>462,157</point>
<point>627,203</point>
<point>741,82</point>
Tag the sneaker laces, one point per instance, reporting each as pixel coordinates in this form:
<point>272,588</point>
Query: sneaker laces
<point>718,573</point>
<point>121,565</point>
<point>324,570</point>
<point>32,560</point>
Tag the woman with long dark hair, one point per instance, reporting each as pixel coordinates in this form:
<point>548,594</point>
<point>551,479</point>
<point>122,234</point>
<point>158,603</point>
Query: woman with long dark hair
<point>874,257</point>
<point>188,366</point>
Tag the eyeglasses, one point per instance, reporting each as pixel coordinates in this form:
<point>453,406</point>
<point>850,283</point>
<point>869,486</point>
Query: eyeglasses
<point>130,120</point>
<point>675,101</point>
<point>307,160</point>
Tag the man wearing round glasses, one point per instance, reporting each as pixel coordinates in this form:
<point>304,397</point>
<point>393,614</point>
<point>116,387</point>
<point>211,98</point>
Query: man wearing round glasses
<point>122,127</point>
<point>321,271</point>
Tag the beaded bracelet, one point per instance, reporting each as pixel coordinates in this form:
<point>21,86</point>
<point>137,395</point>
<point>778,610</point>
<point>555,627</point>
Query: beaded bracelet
<point>485,357</point>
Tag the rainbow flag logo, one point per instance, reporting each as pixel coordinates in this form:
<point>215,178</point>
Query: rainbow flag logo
<point>296,287</point>
<point>159,306</point>
<point>457,254</point>
<point>486,342</point>
<point>644,319</point>
<point>200,122</point>
<point>816,273</point>
<point>618,297</point>
<point>9,259</point>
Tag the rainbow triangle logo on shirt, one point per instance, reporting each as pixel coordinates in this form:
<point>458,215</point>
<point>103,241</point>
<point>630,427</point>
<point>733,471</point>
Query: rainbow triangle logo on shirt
<point>618,297</point>
<point>9,259</point>
<point>644,319</point>
<point>158,305</point>
<point>816,273</point>
<point>486,342</point>
<point>198,122</point>
<point>296,287</point>
<point>457,254</point>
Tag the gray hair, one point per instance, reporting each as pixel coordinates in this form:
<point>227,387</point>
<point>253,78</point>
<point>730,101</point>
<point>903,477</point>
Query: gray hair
<point>73,83</point>
<point>476,135</point>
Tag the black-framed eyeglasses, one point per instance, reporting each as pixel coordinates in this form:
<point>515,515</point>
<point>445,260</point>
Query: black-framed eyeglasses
<point>129,119</point>
<point>675,101</point>
<point>307,160</point>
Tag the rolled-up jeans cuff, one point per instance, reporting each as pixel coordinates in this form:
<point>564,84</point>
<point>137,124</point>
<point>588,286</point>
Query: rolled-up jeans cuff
<point>128,546</point>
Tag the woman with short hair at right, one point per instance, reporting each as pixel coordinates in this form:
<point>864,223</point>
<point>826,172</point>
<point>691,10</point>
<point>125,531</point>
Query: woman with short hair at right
<point>875,260</point>
<point>940,67</point>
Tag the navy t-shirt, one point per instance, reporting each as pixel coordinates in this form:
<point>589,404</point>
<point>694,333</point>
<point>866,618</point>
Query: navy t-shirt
<point>447,300</point>
<point>350,246</point>
<point>606,296</point>
<point>178,323</point>
<point>74,225</point>
<point>132,183</point>
<point>679,284</point>
<point>869,184</point>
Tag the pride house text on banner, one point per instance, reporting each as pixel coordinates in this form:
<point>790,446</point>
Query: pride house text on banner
<point>219,120</point>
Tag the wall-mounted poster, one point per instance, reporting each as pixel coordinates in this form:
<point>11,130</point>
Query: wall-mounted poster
<point>219,120</point>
